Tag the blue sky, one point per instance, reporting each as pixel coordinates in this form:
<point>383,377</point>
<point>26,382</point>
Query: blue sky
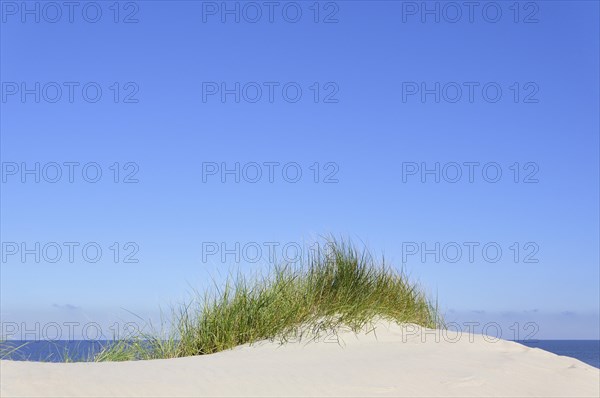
<point>387,91</point>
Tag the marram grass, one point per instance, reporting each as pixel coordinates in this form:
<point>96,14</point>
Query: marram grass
<point>340,287</point>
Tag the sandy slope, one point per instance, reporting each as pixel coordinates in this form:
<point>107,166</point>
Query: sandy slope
<point>398,361</point>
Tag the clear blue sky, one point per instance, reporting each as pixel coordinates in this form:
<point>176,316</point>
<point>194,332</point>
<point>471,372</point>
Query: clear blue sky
<point>376,68</point>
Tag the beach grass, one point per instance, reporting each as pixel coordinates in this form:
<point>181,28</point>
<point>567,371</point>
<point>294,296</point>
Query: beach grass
<point>6,351</point>
<point>339,286</point>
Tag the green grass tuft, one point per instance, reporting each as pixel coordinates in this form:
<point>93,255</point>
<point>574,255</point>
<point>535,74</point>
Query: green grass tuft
<point>337,287</point>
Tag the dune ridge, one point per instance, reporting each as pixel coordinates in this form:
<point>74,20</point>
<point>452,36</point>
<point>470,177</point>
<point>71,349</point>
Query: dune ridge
<point>386,359</point>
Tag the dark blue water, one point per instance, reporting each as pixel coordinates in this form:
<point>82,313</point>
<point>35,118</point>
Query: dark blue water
<point>51,351</point>
<point>587,351</point>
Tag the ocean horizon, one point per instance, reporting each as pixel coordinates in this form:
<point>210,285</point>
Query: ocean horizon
<point>587,351</point>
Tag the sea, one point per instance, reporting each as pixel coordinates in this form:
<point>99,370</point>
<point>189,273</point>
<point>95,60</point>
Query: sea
<point>587,351</point>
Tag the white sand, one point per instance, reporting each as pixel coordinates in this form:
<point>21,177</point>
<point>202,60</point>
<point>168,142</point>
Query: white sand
<point>399,361</point>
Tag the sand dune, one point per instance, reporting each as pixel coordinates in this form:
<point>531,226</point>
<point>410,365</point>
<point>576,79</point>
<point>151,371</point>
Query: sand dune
<point>392,361</point>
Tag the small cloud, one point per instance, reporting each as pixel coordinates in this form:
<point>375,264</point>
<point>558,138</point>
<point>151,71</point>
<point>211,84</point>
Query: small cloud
<point>568,313</point>
<point>535,310</point>
<point>478,312</point>
<point>69,307</point>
